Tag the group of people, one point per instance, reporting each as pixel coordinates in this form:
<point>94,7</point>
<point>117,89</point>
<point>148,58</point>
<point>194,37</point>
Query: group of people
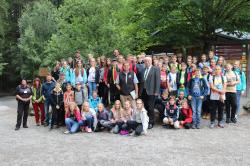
<point>121,94</point>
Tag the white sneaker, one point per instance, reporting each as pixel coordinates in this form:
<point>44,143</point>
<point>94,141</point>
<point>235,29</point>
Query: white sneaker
<point>66,132</point>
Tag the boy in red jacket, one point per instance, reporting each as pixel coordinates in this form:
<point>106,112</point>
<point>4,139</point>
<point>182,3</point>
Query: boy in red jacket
<point>185,117</point>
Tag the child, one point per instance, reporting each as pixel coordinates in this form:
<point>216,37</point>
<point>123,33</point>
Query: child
<point>79,95</point>
<point>197,91</point>
<point>93,76</point>
<point>164,74</point>
<point>171,114</point>
<point>180,98</point>
<point>94,101</point>
<point>57,105</point>
<point>102,118</point>
<point>126,115</point>
<point>116,117</point>
<point>140,119</point>
<point>160,103</point>
<point>72,118</point>
<point>68,97</point>
<point>89,118</point>
<point>206,105</point>
<point>203,61</point>
<point>182,78</point>
<point>172,81</point>
<point>185,117</point>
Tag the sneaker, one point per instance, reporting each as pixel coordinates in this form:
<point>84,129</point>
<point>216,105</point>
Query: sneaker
<point>228,120</point>
<point>66,132</point>
<point>132,134</point>
<point>198,126</point>
<point>220,125</point>
<point>37,124</point>
<point>89,130</point>
<point>17,128</point>
<point>193,126</point>
<point>234,120</point>
<point>211,126</point>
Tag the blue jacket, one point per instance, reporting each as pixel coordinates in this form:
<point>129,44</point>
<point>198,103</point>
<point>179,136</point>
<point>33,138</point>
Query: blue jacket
<point>69,75</point>
<point>202,87</point>
<point>47,89</point>
<point>242,85</point>
<point>93,103</point>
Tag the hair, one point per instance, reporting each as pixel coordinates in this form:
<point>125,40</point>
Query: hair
<point>73,104</point>
<point>172,98</point>
<point>120,109</point>
<point>77,69</point>
<point>141,102</point>
<point>34,82</point>
<point>184,101</point>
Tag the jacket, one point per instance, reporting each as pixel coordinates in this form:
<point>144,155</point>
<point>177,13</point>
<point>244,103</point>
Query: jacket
<point>202,85</point>
<point>97,75</point>
<point>77,115</point>
<point>34,96</point>
<point>46,90</point>
<point>152,82</point>
<point>93,103</point>
<point>172,111</point>
<point>242,85</point>
<point>144,118</point>
<point>187,114</point>
<point>90,113</point>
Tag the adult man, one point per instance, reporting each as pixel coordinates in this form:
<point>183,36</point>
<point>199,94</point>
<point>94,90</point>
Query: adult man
<point>126,83</point>
<point>231,105</point>
<point>241,87</point>
<point>151,88</point>
<point>23,96</point>
<point>47,87</point>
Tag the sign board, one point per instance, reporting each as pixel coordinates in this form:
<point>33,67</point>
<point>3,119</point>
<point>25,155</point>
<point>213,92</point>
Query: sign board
<point>43,71</point>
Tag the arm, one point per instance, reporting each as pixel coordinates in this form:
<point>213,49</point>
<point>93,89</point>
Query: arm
<point>189,117</point>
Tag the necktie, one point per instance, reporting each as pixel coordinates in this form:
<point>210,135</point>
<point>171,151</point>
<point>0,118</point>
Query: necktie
<point>146,73</point>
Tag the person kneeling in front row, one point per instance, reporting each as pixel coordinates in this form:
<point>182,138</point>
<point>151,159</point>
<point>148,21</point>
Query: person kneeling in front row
<point>171,114</point>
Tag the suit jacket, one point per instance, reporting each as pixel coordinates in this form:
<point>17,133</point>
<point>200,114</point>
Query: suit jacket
<point>152,82</point>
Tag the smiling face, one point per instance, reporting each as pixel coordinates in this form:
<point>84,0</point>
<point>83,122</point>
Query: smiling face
<point>100,107</point>
<point>127,105</point>
<point>117,104</point>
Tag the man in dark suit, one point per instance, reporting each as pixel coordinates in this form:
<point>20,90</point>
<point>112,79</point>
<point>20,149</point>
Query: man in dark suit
<point>151,88</point>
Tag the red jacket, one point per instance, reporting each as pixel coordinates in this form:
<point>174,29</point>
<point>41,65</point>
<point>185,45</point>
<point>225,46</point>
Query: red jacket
<point>187,113</point>
<point>76,113</point>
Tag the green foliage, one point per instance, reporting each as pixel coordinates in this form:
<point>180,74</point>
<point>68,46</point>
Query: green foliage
<point>36,25</point>
<point>93,26</point>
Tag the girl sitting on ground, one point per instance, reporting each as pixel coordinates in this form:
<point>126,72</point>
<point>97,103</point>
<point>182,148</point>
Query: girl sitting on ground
<point>116,117</point>
<point>139,121</point>
<point>102,118</point>
<point>89,118</point>
<point>73,118</point>
<point>185,117</point>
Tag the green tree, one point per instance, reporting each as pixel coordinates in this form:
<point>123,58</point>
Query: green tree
<point>92,26</point>
<point>184,22</point>
<point>37,24</point>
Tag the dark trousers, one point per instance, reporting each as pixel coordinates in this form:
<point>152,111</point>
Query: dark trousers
<point>216,105</point>
<point>61,115</point>
<point>206,105</point>
<point>114,93</point>
<point>231,105</point>
<point>135,126</point>
<point>160,107</point>
<point>186,125</point>
<point>22,113</point>
<point>149,103</point>
<point>55,116</point>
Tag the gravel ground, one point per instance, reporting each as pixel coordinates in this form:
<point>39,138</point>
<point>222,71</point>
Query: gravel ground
<point>39,146</point>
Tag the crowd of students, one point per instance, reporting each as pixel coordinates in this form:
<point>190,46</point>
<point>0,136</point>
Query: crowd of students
<point>121,94</point>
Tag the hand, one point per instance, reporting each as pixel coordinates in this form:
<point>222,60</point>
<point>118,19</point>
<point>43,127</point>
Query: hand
<point>181,122</point>
<point>201,97</point>
<point>108,85</point>
<point>242,92</point>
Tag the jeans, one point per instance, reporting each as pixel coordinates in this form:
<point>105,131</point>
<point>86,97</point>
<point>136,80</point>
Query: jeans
<point>89,121</point>
<point>47,103</point>
<point>92,87</point>
<point>72,126</point>
<point>196,104</point>
<point>238,96</point>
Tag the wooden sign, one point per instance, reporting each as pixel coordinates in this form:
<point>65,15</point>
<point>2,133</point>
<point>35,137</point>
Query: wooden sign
<point>43,71</point>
